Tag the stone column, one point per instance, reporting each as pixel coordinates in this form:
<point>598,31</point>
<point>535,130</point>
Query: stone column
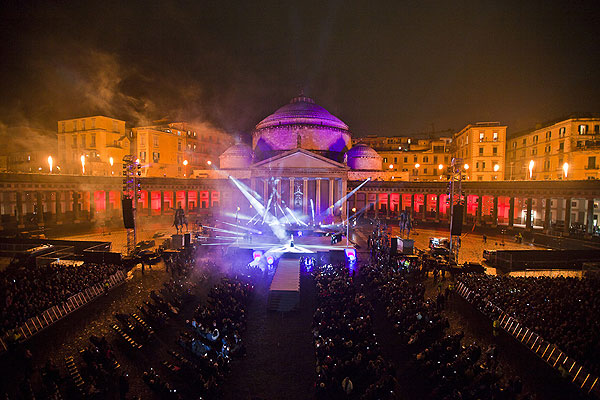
<point>19,210</point>
<point>567,227</point>
<point>305,196</point>
<point>92,214</point>
<point>528,224</point>
<point>343,193</point>
<point>425,204</point>
<point>174,198</point>
<point>399,203</point>
<point>75,199</point>
<point>162,201</point>
<point>495,211</point>
<point>107,209</point>
<point>387,210</point>
<point>412,204</point>
<point>437,207</point>
<point>40,208</point>
<point>291,199</point>
<point>318,198</point>
<point>547,214</point>
<point>479,209</point>
<point>279,198</point>
<point>589,221</point>
<point>187,200</point>
<point>331,199</point>
<point>376,205</point>
<point>511,212</point>
<point>58,208</point>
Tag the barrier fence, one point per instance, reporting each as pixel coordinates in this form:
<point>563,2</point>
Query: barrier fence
<point>53,314</point>
<point>547,351</point>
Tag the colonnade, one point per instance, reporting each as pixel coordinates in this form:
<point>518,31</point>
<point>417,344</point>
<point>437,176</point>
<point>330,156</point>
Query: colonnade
<point>545,213</point>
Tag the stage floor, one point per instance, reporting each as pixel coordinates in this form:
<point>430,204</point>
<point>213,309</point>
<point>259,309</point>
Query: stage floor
<point>302,244</point>
<point>287,276</point>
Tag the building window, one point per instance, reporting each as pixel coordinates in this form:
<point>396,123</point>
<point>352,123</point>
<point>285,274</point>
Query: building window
<point>63,125</point>
<point>83,124</point>
<point>535,139</point>
<point>155,157</point>
<point>525,142</point>
<point>179,145</point>
<point>495,136</point>
<point>425,159</point>
<point>583,129</point>
<point>479,177</point>
<point>481,151</point>
<point>155,139</point>
<point>481,136</point>
<point>93,140</point>
<point>561,132</point>
<point>385,160</point>
<point>547,149</point>
<point>561,146</point>
<point>495,151</point>
<point>405,159</point>
<point>142,156</point>
<point>395,158</point>
<point>74,125</point>
<point>591,163</point>
<point>596,129</point>
<point>483,165</point>
<point>477,165</point>
<point>435,158</point>
<point>514,145</point>
<point>93,123</point>
<point>142,140</point>
<point>74,140</point>
<point>534,151</point>
<point>415,158</point>
<point>425,171</point>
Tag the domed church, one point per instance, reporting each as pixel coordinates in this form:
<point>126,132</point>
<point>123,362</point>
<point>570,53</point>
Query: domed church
<point>302,156</point>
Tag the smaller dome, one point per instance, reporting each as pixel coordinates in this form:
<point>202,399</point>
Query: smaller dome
<point>237,156</point>
<point>362,150</point>
<point>363,157</point>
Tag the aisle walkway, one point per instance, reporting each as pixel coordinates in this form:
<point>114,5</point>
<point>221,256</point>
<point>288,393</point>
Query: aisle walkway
<point>280,361</point>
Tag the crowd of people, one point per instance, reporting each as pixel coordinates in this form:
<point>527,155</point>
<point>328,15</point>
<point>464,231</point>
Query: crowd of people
<point>217,327</point>
<point>564,311</point>
<point>27,292</point>
<point>450,369</point>
<point>349,362</point>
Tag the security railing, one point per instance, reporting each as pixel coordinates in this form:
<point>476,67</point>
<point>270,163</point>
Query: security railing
<point>50,316</point>
<point>547,351</point>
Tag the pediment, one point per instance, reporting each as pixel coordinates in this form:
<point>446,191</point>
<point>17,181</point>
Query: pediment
<point>299,158</point>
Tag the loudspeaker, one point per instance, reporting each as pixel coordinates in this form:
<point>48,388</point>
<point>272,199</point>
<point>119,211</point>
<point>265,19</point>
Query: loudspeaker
<point>187,239</point>
<point>127,206</point>
<point>394,246</point>
<point>457,220</point>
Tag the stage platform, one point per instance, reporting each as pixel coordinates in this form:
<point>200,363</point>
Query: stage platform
<point>302,244</point>
<point>284,292</point>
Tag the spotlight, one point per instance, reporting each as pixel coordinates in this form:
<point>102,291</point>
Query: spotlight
<point>270,260</point>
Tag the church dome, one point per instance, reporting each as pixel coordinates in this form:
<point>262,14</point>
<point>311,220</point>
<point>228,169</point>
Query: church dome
<point>301,124</point>
<point>237,156</point>
<point>363,157</point>
<point>302,110</point>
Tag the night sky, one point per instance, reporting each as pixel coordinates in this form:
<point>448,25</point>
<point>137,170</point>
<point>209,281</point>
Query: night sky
<point>385,68</point>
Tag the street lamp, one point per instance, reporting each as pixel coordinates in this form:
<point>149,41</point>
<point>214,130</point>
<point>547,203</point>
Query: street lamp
<point>531,164</point>
<point>566,169</point>
<point>441,167</point>
<point>83,164</point>
<point>496,167</point>
<point>417,165</point>
<point>209,162</point>
<point>111,161</point>
<point>50,163</point>
<point>466,166</point>
<point>185,163</point>
<point>391,166</point>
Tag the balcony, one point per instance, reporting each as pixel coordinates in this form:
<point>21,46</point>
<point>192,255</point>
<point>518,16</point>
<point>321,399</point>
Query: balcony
<point>590,167</point>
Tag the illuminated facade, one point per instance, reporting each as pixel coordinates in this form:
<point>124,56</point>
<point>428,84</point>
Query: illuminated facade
<point>412,159</point>
<point>177,149</point>
<point>98,139</point>
<point>482,147</point>
<point>567,149</point>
